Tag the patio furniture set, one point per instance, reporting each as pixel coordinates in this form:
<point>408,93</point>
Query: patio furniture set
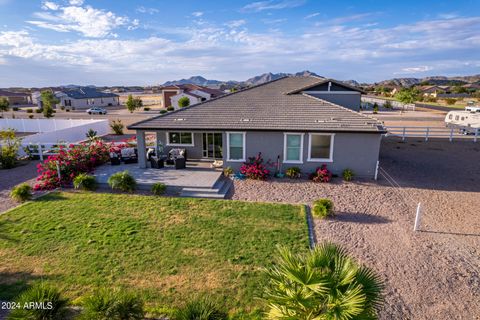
<point>175,157</point>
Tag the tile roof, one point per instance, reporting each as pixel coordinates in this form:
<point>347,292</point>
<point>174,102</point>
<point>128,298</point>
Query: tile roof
<point>266,107</point>
<point>5,93</point>
<point>87,93</point>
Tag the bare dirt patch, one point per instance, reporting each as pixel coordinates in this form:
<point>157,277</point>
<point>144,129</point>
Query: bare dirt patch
<point>25,172</point>
<point>431,274</point>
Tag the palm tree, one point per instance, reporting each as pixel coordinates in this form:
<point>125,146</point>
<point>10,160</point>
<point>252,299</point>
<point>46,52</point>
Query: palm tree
<point>322,284</point>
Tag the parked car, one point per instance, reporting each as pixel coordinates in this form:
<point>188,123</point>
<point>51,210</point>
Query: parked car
<point>96,110</point>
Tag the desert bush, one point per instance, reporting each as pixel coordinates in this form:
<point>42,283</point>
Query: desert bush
<point>293,172</point>
<point>163,111</point>
<point>146,109</point>
<point>85,182</point>
<point>170,108</point>
<point>30,116</point>
<point>91,134</point>
<point>21,192</point>
<point>204,308</point>
<point>117,127</point>
<point>10,144</point>
<point>323,283</point>
<point>40,293</point>
<point>227,171</point>
<point>348,174</point>
<point>62,108</point>
<point>29,110</point>
<point>321,174</point>
<point>255,168</point>
<point>112,305</point>
<point>38,110</point>
<point>450,101</point>
<point>375,108</point>
<point>122,181</point>
<point>387,105</point>
<point>15,108</point>
<point>159,188</point>
<point>431,99</point>
<point>322,208</point>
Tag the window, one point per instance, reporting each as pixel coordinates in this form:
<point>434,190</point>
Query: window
<point>180,139</point>
<point>236,146</point>
<point>293,148</point>
<point>320,147</point>
<point>450,116</point>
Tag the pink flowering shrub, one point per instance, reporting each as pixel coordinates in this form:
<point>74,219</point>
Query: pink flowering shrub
<point>255,168</point>
<point>322,174</point>
<point>72,161</point>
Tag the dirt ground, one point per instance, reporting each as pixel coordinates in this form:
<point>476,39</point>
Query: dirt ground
<point>430,274</point>
<point>9,178</point>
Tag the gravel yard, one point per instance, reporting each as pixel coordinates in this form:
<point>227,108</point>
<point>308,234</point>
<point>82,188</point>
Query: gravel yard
<point>25,172</point>
<point>431,274</point>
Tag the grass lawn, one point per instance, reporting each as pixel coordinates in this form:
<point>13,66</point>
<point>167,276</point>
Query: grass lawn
<point>166,249</point>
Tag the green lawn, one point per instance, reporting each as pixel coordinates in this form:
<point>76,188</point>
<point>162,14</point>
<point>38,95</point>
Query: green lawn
<point>163,248</point>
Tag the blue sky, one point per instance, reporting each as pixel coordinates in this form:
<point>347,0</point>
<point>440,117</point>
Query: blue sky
<point>148,42</point>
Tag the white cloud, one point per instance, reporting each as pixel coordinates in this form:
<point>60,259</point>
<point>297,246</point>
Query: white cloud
<point>90,22</point>
<point>272,5</point>
<point>197,14</point>
<point>143,9</point>
<point>417,69</point>
<point>235,23</point>
<point>312,15</point>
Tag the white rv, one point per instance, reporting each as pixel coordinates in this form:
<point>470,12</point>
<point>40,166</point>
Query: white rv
<point>467,121</point>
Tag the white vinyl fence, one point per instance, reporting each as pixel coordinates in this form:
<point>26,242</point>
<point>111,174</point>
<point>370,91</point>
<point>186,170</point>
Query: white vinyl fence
<point>42,125</point>
<point>434,132</point>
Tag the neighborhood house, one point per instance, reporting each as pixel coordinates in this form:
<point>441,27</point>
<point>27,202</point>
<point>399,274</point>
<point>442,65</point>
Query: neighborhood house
<point>288,120</point>
<point>194,93</point>
<point>85,97</point>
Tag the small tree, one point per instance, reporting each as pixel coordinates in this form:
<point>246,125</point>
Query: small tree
<point>133,103</point>
<point>48,101</point>
<point>10,145</point>
<point>117,127</point>
<point>4,105</point>
<point>407,95</point>
<point>375,108</point>
<point>183,102</point>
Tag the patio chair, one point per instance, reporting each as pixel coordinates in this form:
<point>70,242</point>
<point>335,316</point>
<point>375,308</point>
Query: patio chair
<point>150,153</point>
<point>180,163</point>
<point>156,163</point>
<point>114,159</point>
<point>176,153</point>
<point>129,155</point>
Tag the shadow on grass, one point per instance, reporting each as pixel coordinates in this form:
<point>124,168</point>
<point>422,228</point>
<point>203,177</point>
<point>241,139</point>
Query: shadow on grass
<point>54,196</point>
<point>14,283</point>
<point>360,218</point>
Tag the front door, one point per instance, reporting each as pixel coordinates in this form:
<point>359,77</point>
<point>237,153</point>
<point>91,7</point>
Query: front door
<point>212,145</point>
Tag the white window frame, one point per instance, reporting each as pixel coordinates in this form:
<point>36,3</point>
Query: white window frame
<point>332,140</point>
<point>180,144</point>
<point>243,146</point>
<point>285,134</point>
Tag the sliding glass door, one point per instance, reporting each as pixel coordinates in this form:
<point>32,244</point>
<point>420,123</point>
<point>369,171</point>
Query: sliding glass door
<point>212,145</point>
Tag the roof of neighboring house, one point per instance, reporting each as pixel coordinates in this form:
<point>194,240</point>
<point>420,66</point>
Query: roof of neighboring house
<point>323,81</point>
<point>188,93</point>
<point>265,107</point>
<point>87,93</point>
<point>5,93</point>
<point>189,87</point>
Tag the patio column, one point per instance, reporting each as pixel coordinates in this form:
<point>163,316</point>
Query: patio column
<point>142,157</point>
<point>159,141</point>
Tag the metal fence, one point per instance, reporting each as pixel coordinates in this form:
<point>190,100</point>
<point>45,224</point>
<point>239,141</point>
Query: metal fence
<point>426,133</point>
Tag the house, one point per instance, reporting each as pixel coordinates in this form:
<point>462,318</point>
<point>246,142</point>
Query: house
<point>284,119</point>
<point>432,91</point>
<point>16,98</point>
<point>195,93</point>
<point>86,97</point>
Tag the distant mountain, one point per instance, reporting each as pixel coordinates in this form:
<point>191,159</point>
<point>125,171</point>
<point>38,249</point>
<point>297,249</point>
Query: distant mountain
<point>274,76</point>
<point>199,80</point>
<point>435,80</point>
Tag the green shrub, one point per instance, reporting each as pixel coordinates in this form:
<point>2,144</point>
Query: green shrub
<point>15,108</point>
<point>159,188</point>
<point>122,181</point>
<point>201,309</point>
<point>183,102</point>
<point>387,105</point>
<point>40,293</point>
<point>39,110</point>
<point>67,110</point>
<point>450,101</point>
<point>91,135</point>
<point>375,108</point>
<point>62,108</point>
<point>170,108</point>
<point>114,305</point>
<point>293,172</point>
<point>21,192</point>
<point>29,110</point>
<point>85,182</point>
<point>30,116</point>
<point>227,171</point>
<point>322,208</point>
<point>163,111</point>
<point>146,109</point>
<point>9,146</point>
<point>117,127</point>
<point>348,174</point>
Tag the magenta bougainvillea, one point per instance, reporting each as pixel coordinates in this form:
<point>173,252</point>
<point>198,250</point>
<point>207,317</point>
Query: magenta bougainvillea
<point>255,168</point>
<point>75,159</point>
<point>322,174</point>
